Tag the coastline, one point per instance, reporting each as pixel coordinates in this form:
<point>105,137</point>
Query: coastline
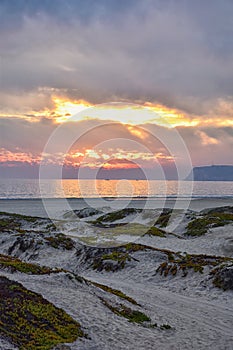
<point>35,207</point>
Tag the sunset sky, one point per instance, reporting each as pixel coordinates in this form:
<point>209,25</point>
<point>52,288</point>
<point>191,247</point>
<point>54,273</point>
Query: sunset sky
<point>122,78</point>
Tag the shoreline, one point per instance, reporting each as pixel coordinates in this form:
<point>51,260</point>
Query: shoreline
<point>35,207</point>
<point>155,197</point>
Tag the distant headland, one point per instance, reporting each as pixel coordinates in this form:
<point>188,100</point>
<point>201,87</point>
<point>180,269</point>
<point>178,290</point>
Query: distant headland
<point>212,173</point>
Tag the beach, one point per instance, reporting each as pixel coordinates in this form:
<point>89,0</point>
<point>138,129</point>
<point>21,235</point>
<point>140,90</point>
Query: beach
<point>35,207</point>
<point>132,278</point>
<point>116,175</point>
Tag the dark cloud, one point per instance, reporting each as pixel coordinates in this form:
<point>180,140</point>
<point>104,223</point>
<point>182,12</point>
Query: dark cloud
<point>177,53</point>
<point>13,13</point>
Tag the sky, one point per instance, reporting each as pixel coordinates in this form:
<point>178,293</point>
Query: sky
<point>133,88</point>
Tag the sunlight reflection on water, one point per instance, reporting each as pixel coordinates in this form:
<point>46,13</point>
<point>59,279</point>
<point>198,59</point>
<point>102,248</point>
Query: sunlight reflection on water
<point>29,188</point>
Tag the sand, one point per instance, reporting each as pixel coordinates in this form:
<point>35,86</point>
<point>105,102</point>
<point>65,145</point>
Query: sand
<point>200,315</point>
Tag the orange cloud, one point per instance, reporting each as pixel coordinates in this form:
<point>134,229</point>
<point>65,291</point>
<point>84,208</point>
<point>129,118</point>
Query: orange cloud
<point>120,164</point>
<point>65,108</point>
<point>125,113</point>
<point>17,156</point>
<point>50,103</point>
<point>114,158</point>
<point>207,140</point>
<point>137,132</point>
<point>170,117</point>
<point>216,122</point>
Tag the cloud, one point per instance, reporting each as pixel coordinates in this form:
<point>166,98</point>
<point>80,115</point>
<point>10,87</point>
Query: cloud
<point>97,144</point>
<point>205,139</point>
<point>175,55</point>
<point>208,145</point>
<point>17,134</point>
<point>155,51</point>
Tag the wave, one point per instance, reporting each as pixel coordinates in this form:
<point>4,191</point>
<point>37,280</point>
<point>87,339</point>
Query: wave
<point>152,197</point>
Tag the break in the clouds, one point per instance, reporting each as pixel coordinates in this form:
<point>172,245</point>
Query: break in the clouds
<point>174,57</point>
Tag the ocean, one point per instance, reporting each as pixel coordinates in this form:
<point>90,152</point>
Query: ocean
<point>51,198</point>
<point>69,188</point>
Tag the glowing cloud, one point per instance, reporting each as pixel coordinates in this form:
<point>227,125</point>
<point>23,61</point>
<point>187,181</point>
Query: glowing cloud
<point>125,113</point>
<point>64,108</point>
<point>18,156</point>
<point>207,140</point>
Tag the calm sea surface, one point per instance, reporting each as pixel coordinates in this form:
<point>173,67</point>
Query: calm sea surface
<point>48,199</point>
<point>32,189</point>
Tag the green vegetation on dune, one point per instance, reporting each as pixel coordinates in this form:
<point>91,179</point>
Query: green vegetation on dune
<point>225,210</point>
<point>8,224</point>
<point>14,222</point>
<point>116,215</point>
<point>115,292</point>
<point>200,226</point>
<point>115,259</point>
<point>30,321</point>
<point>60,241</point>
<point>111,262</point>
<point>129,229</point>
<point>190,261</point>
<point>164,218</point>
<point>14,216</point>
<point>15,264</point>
<point>223,277</point>
<point>134,316</point>
<point>123,311</point>
<point>154,231</point>
<point>134,247</point>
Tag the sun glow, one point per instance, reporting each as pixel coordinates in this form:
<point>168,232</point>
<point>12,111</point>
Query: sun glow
<point>125,113</point>
<point>169,116</point>
<point>61,109</point>
<point>51,103</point>
<point>64,109</point>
